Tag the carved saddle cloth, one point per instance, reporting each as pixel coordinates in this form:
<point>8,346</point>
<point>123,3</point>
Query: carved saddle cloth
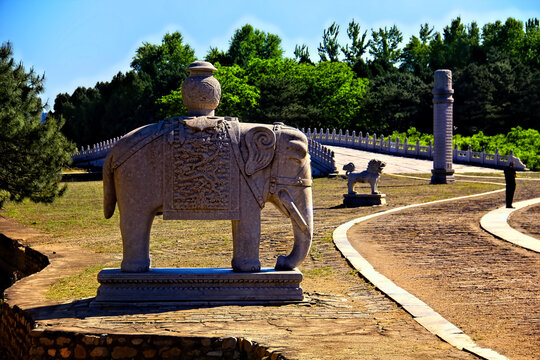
<point>201,175</point>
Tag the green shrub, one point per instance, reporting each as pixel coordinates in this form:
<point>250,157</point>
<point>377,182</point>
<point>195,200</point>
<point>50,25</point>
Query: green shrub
<point>524,143</point>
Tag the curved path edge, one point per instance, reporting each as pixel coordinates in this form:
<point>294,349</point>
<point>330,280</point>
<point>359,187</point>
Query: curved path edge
<point>419,310</point>
<point>496,223</point>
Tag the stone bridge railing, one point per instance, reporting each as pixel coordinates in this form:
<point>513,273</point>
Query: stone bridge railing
<point>404,148</point>
<point>322,158</point>
<point>93,155</point>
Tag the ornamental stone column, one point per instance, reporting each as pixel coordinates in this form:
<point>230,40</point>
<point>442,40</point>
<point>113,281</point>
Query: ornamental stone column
<point>443,101</point>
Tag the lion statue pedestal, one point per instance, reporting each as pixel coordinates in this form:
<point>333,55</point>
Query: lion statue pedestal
<point>372,176</point>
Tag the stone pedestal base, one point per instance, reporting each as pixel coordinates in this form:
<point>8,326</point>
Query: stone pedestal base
<point>442,176</point>
<point>357,200</point>
<point>198,285</point>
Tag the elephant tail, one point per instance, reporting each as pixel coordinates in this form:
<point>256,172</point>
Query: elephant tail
<point>109,192</point>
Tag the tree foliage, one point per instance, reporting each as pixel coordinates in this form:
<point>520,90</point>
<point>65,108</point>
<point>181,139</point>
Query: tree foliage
<point>164,64</point>
<point>129,100</point>
<point>496,81</point>
<point>384,47</point>
<point>277,90</point>
<point>301,54</point>
<point>33,151</point>
<point>416,54</point>
<point>247,43</point>
<point>355,52</point>
<point>397,101</point>
<point>327,94</point>
<point>107,110</point>
<point>329,48</point>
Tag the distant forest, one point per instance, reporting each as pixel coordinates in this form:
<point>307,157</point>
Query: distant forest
<point>375,83</point>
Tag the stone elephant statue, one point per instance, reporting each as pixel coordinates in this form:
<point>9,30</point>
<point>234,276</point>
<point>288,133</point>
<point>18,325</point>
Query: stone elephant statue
<point>210,168</point>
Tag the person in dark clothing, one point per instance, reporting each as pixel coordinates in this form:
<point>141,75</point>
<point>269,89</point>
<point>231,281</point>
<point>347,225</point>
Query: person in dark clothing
<point>510,179</point>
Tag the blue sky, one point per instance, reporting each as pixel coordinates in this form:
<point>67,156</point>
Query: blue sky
<point>77,43</point>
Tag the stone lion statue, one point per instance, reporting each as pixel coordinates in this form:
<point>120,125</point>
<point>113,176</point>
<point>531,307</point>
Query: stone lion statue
<point>372,175</point>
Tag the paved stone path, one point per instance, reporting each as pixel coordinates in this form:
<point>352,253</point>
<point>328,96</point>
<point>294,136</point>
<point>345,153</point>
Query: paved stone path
<point>418,309</point>
<point>395,164</point>
<point>486,287</point>
<point>496,222</point>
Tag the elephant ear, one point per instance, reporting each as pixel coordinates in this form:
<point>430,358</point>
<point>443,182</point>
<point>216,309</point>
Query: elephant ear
<point>260,142</point>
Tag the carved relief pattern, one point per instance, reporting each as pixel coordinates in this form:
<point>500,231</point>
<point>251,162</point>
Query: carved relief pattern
<point>202,168</point>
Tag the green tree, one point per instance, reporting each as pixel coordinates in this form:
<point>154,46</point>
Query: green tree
<point>415,56</point>
<point>397,101</point>
<point>507,38</point>
<point>496,96</point>
<point>531,43</point>
<point>329,48</point>
<point>327,94</point>
<point>301,54</point>
<point>457,47</point>
<point>384,47</point>
<point>109,109</point>
<point>33,151</point>
<point>354,54</point>
<point>247,43</point>
<point>164,64</point>
<point>127,102</point>
<point>239,97</point>
<point>216,56</point>
<point>81,112</point>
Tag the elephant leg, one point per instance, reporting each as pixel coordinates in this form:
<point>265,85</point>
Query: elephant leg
<point>135,227</point>
<point>246,239</point>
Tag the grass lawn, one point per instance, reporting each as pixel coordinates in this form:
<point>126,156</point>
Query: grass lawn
<point>77,218</point>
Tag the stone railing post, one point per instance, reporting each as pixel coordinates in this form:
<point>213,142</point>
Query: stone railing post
<point>406,145</point>
<point>443,103</point>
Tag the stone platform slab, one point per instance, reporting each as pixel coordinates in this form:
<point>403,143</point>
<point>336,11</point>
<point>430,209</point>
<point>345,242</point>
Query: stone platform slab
<point>198,285</point>
<point>357,200</point>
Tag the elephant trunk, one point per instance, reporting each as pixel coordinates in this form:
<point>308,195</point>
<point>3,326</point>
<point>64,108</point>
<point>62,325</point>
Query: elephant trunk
<point>301,215</point>
<point>109,192</point>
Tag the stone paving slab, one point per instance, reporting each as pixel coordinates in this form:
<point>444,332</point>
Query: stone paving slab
<point>396,164</point>
<point>499,288</point>
<point>496,222</point>
<point>422,313</point>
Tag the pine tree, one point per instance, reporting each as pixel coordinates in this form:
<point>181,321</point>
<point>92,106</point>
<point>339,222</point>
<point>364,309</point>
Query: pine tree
<point>32,151</point>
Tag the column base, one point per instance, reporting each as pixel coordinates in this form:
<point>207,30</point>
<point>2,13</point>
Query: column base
<point>442,176</point>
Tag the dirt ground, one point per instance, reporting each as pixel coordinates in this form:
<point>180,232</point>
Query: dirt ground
<point>527,221</point>
<point>485,286</point>
<point>346,318</point>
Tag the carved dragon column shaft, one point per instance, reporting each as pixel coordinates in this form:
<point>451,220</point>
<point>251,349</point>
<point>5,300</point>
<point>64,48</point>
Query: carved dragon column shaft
<point>443,102</point>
